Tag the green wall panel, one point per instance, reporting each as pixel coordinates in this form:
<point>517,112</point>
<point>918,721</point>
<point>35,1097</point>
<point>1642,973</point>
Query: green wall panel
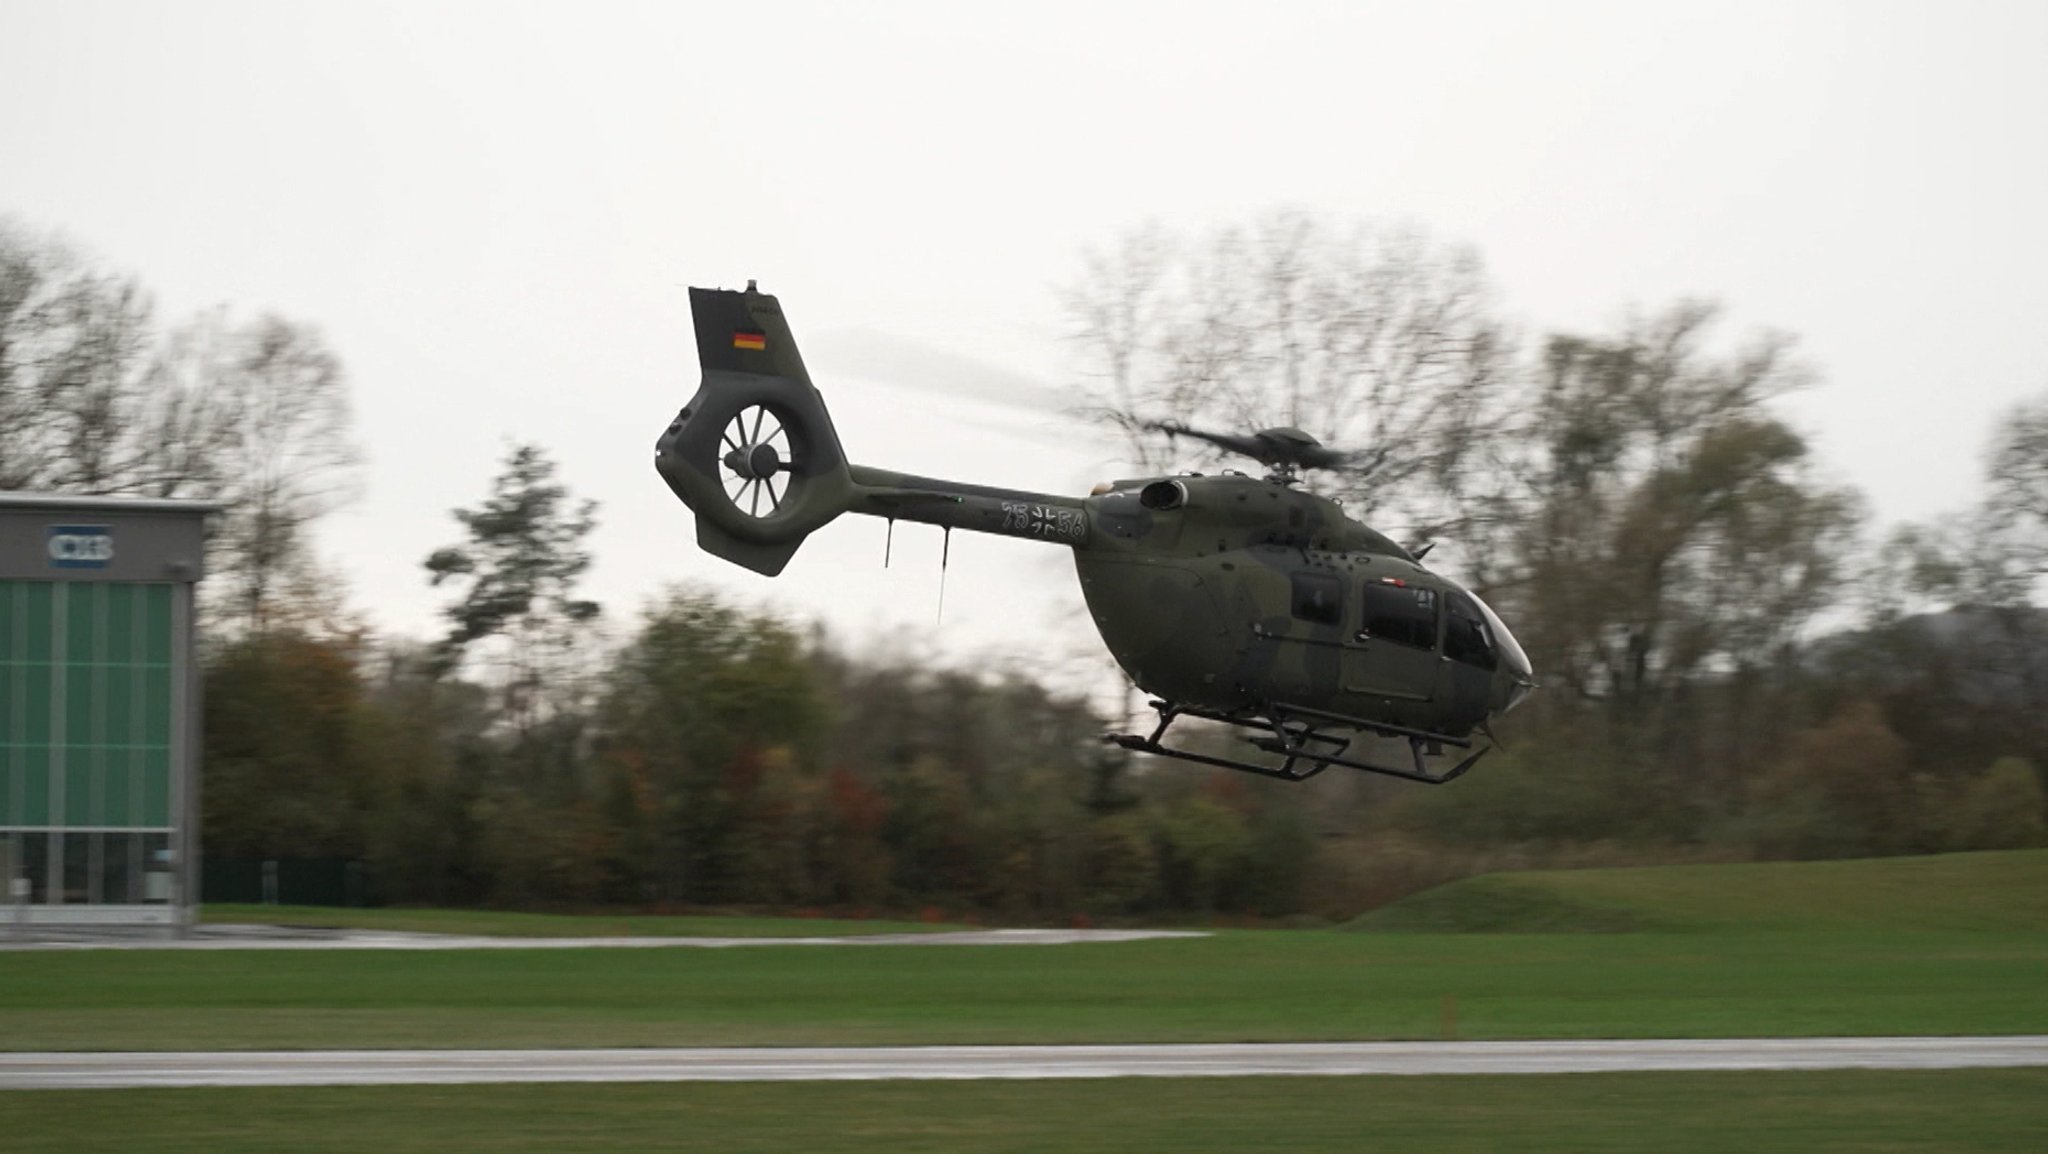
<point>85,732</point>
<point>157,634</point>
<point>117,785</point>
<point>156,707</point>
<point>33,695</point>
<point>77,680</point>
<point>117,705</point>
<point>120,633</point>
<point>39,615</point>
<point>156,787</point>
<point>34,765</point>
<point>73,786</point>
<point>9,781</point>
<point>79,619</point>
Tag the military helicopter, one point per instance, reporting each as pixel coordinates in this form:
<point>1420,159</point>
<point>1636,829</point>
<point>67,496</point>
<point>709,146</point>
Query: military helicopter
<point>1236,599</point>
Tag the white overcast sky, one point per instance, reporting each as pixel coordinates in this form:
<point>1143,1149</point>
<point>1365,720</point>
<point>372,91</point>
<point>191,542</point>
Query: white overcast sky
<point>491,210</point>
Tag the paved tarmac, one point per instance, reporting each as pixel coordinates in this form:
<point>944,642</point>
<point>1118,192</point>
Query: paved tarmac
<point>449,1067</point>
<point>237,937</point>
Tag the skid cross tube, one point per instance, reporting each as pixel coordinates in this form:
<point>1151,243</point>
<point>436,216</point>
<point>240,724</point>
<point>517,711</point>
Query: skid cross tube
<point>1291,735</point>
<point>1168,713</point>
<point>1284,772</point>
<point>1284,711</point>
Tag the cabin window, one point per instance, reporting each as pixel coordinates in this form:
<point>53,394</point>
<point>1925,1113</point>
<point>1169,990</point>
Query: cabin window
<point>1467,637</point>
<point>1319,597</point>
<point>1398,614</point>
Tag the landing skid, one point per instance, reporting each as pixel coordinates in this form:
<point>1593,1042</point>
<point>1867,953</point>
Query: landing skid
<point>1302,737</point>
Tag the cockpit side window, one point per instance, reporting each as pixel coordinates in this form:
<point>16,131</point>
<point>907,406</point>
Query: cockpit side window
<point>1319,597</point>
<point>1467,637</point>
<point>1398,614</point>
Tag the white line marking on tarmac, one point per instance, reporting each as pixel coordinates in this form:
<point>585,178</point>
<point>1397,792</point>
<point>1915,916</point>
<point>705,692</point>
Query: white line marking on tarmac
<point>281,938</point>
<point>25,1071</point>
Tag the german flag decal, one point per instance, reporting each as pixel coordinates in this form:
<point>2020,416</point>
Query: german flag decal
<point>755,341</point>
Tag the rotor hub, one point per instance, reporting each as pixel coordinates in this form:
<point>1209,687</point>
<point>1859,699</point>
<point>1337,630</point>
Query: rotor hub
<point>755,462</point>
<point>1284,450</point>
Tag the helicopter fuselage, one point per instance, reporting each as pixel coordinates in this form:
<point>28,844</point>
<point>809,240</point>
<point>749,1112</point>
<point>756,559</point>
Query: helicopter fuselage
<point>1241,599</point>
<point>1232,592</point>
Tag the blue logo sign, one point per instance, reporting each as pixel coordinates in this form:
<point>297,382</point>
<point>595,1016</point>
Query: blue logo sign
<point>81,546</point>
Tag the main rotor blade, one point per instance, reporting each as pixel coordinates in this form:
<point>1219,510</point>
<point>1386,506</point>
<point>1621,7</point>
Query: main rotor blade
<point>1248,446</point>
<point>903,363</point>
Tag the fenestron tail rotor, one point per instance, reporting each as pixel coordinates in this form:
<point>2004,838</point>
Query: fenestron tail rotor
<point>752,453</point>
<point>756,466</point>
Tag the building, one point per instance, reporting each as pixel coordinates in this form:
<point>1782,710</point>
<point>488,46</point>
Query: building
<point>99,709</point>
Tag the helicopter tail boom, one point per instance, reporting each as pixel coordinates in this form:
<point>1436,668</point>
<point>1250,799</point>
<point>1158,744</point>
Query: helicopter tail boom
<point>979,508</point>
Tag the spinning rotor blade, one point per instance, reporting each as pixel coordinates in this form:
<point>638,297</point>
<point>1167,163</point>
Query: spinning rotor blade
<point>1282,448</point>
<point>1230,442</point>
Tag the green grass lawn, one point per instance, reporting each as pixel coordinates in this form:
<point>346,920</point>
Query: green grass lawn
<point>499,923</point>
<point>1236,986</point>
<point>1947,892</point>
<point>1944,945</point>
<point>1965,1110</point>
<point>1934,946</point>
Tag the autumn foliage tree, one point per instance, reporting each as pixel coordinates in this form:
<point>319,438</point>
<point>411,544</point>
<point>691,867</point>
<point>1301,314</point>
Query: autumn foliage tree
<point>1728,668</point>
<point>292,767</point>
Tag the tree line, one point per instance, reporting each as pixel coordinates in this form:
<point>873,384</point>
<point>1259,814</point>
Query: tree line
<point>1735,663</point>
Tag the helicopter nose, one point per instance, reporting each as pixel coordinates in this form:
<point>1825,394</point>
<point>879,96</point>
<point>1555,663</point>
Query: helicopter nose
<point>1520,685</point>
<point>1516,677</point>
<point>1517,665</point>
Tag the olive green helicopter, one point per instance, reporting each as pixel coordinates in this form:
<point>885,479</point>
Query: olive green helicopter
<point>1237,599</point>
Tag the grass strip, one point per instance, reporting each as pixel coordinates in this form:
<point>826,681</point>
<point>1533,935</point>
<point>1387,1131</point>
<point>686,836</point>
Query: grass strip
<point>1864,1111</point>
<point>1244,986</point>
<point>1945,893</point>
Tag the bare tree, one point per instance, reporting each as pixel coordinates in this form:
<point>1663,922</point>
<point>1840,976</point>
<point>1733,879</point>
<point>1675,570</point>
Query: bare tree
<point>93,400</point>
<point>1379,340</point>
<point>1990,563</point>
<point>1993,555</point>
<point>2016,509</point>
<point>287,454</point>
<point>77,350</point>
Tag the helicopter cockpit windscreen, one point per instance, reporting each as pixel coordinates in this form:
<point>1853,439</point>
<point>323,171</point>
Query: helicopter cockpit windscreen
<point>1467,634</point>
<point>1510,650</point>
<point>1399,614</point>
<point>1475,635</point>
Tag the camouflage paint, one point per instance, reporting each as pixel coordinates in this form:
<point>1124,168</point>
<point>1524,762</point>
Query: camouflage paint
<point>1190,579</point>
